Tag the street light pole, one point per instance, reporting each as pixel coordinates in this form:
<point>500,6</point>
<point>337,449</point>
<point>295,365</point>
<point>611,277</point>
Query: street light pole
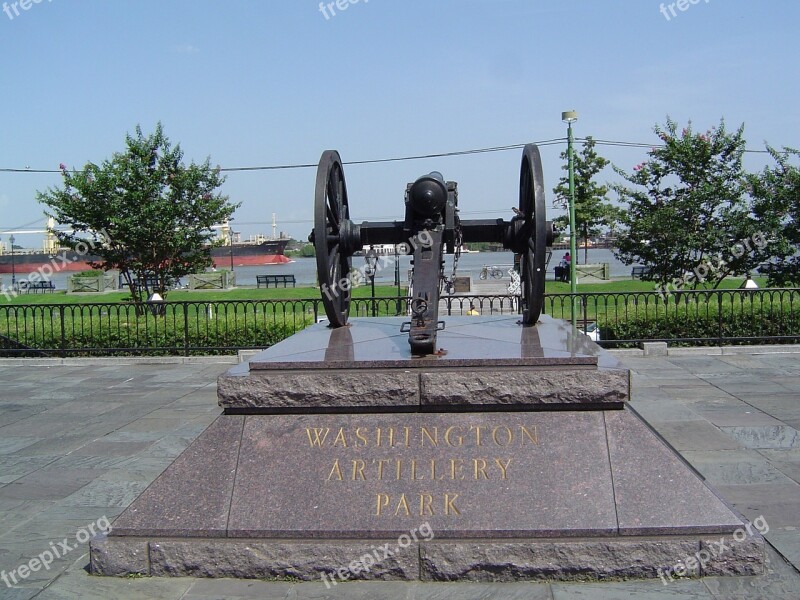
<point>230,249</point>
<point>372,266</point>
<point>11,241</point>
<point>569,117</point>
<point>397,276</point>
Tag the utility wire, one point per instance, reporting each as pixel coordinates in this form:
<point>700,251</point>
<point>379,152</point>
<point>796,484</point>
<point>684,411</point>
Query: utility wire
<point>352,162</point>
<point>550,142</point>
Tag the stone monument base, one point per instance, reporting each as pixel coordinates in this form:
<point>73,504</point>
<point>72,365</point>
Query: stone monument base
<point>507,486</point>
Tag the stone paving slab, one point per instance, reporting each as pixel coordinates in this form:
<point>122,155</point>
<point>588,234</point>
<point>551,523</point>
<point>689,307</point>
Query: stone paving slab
<point>696,435</point>
<point>734,467</point>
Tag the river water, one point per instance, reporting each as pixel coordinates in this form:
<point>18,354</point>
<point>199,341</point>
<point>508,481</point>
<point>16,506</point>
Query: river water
<point>305,269</point>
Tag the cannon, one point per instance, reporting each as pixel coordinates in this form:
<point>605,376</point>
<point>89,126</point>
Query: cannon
<point>430,229</point>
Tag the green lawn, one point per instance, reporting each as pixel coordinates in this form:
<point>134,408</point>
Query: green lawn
<point>297,293</point>
<point>636,285</point>
<point>310,292</point>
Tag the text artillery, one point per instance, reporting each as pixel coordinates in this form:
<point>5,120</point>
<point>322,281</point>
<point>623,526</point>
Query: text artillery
<point>453,469</point>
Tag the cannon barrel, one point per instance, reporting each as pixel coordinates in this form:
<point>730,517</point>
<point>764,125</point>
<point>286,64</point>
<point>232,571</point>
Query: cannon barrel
<point>393,232</point>
<point>428,195</point>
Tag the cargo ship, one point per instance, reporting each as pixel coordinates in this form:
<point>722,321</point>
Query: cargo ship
<point>255,251</point>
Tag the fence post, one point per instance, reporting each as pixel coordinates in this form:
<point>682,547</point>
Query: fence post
<point>63,331</point>
<point>719,316</point>
<point>185,329</point>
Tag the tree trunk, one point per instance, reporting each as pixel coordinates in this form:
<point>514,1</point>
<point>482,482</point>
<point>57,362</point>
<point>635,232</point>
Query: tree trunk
<point>586,244</point>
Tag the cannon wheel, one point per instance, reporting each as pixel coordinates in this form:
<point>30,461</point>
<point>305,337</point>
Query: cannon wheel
<point>331,218</point>
<point>533,234</point>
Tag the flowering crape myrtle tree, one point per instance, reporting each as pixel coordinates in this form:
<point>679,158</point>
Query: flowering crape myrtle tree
<point>155,213</point>
<point>776,193</point>
<point>689,215</point>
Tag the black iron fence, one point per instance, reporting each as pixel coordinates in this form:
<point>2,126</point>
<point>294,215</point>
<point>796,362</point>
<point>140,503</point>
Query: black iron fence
<point>616,319</point>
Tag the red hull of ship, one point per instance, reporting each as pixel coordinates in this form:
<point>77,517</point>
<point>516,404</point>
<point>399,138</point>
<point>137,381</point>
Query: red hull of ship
<point>220,262</point>
<point>224,262</point>
<point>55,266</point>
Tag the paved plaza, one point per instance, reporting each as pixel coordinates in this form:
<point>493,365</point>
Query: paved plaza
<point>81,439</point>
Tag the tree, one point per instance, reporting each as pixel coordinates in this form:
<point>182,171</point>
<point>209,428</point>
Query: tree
<point>689,217</point>
<point>143,212</point>
<point>776,194</point>
<point>593,210</point>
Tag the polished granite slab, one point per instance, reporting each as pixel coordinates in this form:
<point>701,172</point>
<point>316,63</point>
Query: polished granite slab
<point>512,474</point>
<point>600,478</point>
<point>489,362</point>
<point>368,343</point>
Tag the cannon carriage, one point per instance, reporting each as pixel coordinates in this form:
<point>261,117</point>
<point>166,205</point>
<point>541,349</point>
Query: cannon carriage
<point>430,229</point>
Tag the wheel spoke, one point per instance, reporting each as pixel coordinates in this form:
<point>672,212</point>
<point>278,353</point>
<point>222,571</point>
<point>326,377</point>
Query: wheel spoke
<point>333,218</point>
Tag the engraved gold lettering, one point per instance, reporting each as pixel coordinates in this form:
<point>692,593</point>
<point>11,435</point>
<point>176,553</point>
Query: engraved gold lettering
<point>503,467</point>
<point>383,502</point>
<point>425,501</point>
<point>534,438</point>
<point>403,504</point>
<point>380,467</point>
<point>399,469</point>
<point>318,438</point>
<point>477,429</point>
<point>449,505</point>
<point>378,437</point>
<point>479,466</point>
<point>335,470</point>
<point>459,438</point>
<point>509,435</point>
<point>433,470</point>
<point>434,440</point>
<point>361,437</point>
<point>408,435</point>
<point>340,438</point>
<point>358,470</point>
<point>456,468</point>
<point>414,469</point>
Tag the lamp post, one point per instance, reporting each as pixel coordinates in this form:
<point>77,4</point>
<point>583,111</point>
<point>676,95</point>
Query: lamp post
<point>11,241</point>
<point>397,275</point>
<point>230,248</point>
<point>569,117</point>
<point>372,264</point>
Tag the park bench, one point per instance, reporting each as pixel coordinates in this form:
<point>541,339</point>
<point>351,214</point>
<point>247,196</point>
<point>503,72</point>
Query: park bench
<point>150,282</point>
<point>561,273</point>
<point>639,272</point>
<point>266,280</point>
<point>37,286</point>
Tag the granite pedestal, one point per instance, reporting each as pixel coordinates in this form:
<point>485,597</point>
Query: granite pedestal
<point>511,455</point>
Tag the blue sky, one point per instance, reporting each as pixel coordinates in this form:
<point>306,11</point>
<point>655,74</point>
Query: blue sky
<point>275,82</point>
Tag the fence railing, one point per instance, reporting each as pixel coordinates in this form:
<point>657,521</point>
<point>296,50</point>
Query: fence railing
<point>624,319</point>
